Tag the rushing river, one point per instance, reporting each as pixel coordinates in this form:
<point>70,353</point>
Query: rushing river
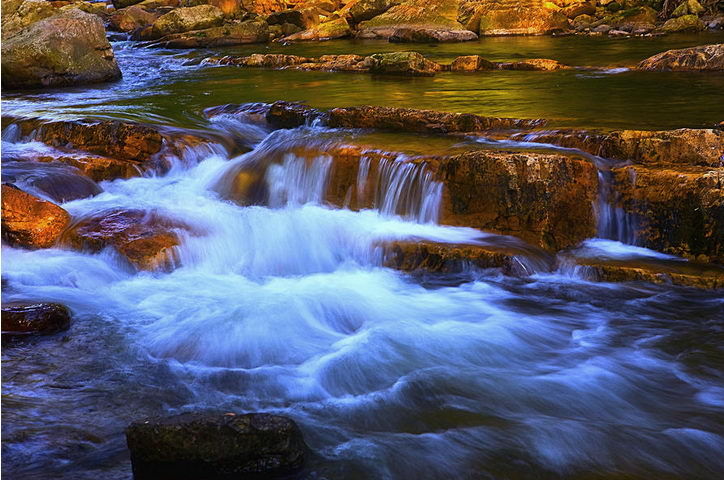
<point>286,307</point>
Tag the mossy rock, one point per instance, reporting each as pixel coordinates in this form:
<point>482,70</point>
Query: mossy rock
<point>685,23</point>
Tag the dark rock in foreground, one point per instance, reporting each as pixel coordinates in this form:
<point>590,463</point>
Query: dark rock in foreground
<point>34,318</point>
<point>215,446</point>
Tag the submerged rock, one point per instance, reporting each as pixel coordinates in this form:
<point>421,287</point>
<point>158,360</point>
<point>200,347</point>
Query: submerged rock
<point>541,64</point>
<point>28,221</point>
<point>54,180</point>
<point>67,49</point>
<point>401,63</point>
<point>22,319</point>
<point>215,446</point>
<point>696,59</point>
<point>146,239</point>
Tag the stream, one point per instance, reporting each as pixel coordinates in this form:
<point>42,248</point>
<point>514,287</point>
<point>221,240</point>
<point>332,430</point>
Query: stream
<point>286,306</point>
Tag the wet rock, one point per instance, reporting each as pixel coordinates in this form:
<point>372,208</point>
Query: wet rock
<point>290,115</point>
<point>22,319</point>
<point>215,446</point>
<point>430,35</point>
<point>439,16</point>
<point>146,239</point>
<point>471,63</point>
<point>57,181</point>
<point>697,59</point>
<point>67,49</point>
<point>544,199</point>
<point>252,31</point>
<point>678,209</point>
<point>28,221</point>
<point>401,63</point>
<point>424,121</point>
<point>131,18</point>
<point>685,146</point>
<point>541,64</point>
<point>686,23</point>
<point>337,28</point>
<point>603,28</point>
<point>186,19</point>
<point>433,257</point>
<point>709,277</point>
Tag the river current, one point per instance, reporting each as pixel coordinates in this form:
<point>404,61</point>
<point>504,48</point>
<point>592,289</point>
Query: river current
<point>286,307</point>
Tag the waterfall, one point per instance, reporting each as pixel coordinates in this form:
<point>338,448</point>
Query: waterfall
<point>407,189</point>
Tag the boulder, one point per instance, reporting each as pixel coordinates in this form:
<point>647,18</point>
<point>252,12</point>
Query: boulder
<point>583,21</point>
<point>22,319</point>
<point>360,10</point>
<point>438,16</point>
<point>471,63</point>
<point>251,31</point>
<point>337,28</point>
<point>215,446</point>
<point>186,19</point>
<point>685,23</point>
<point>430,35</point>
<point>544,199</point>
<point>695,59</point>
<point>632,17</point>
<point>146,239</point>
<point>577,9</point>
<point>401,63</point>
<point>264,7</point>
<point>119,4</point>
<point>28,221</point>
<point>688,7</point>
<point>494,18</point>
<point>131,18</point>
<point>56,181</point>
<point>67,49</point>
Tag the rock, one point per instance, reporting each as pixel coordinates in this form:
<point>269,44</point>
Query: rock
<point>289,115</point>
<point>471,63</point>
<point>678,209</point>
<point>186,19</point>
<point>273,60</point>
<point>252,31</point>
<point>215,446</point>
<point>632,17</point>
<point>716,24</point>
<point>503,19</point>
<point>22,319</point>
<point>543,64</point>
<point>583,21</point>
<point>430,35</point>
<point>119,4</point>
<point>543,199</point>
<point>146,239</point>
<point>401,63</point>
<point>22,14</point>
<point>577,9</point>
<point>28,221</point>
<point>360,10</point>
<point>618,33</point>
<point>131,18</point>
<point>681,273</point>
<point>440,15</point>
<point>56,181</point>
<point>264,7</point>
<point>698,59</point>
<point>688,7</point>
<point>685,146</point>
<point>337,28</point>
<point>422,121</point>
<point>67,49</point>
<point>231,8</point>
<point>603,28</point>
<point>304,18</point>
<point>685,23</point>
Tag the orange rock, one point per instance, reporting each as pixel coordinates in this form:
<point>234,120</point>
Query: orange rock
<point>145,239</point>
<point>28,221</point>
<point>542,64</point>
<point>471,63</point>
<point>433,257</point>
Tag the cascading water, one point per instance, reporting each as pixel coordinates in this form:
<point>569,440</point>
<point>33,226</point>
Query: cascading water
<point>280,304</point>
